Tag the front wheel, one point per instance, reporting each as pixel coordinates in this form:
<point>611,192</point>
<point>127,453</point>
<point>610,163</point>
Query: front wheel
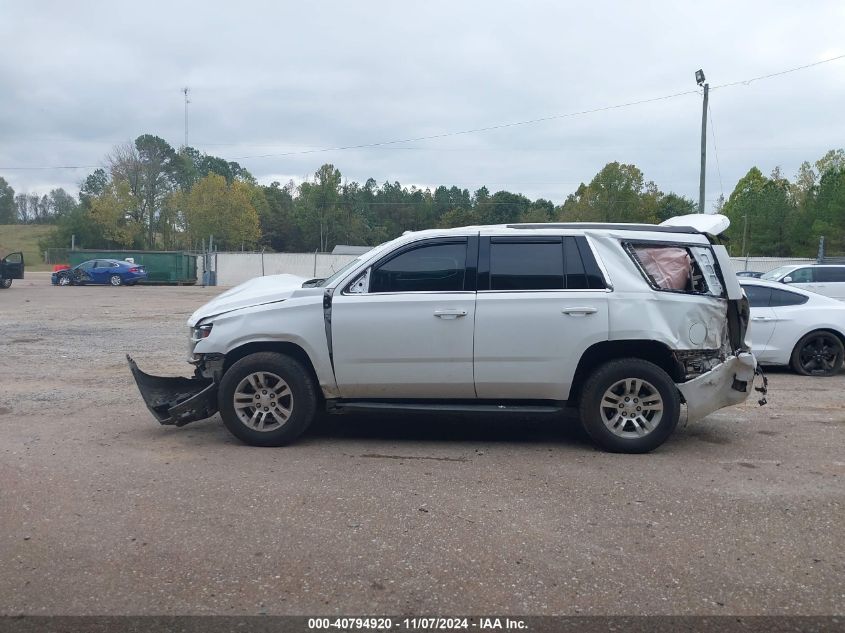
<point>267,399</point>
<point>64,280</point>
<point>5,283</point>
<point>818,354</point>
<point>629,406</point>
<point>115,280</point>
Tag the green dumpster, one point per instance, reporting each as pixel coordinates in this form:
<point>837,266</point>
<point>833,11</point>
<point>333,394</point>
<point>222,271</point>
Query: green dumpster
<point>163,267</point>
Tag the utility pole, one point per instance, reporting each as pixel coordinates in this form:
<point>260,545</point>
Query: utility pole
<point>185,91</point>
<point>699,79</point>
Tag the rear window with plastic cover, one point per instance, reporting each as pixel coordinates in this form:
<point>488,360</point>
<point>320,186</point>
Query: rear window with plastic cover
<point>677,267</point>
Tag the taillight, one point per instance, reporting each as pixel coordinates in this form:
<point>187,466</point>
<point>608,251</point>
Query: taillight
<point>134,270</point>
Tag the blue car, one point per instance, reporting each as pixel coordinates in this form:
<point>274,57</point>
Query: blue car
<point>100,271</point>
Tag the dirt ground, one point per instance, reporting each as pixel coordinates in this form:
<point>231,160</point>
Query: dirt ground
<point>103,511</point>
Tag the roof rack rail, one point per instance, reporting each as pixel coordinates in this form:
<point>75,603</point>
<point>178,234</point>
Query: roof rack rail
<point>654,228</point>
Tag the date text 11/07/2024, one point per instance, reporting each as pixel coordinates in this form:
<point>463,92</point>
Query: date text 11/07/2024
<point>417,624</point>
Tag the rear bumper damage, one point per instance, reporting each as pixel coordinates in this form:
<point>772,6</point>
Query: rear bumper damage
<point>729,383</point>
<point>176,401</point>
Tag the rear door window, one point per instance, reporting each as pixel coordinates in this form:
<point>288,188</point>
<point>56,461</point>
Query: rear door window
<point>832,274</point>
<point>543,263</point>
<point>526,265</point>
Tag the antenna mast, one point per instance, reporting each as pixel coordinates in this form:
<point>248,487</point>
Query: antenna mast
<point>186,90</point>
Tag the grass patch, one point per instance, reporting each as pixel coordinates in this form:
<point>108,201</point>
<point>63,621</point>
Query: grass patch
<point>24,237</point>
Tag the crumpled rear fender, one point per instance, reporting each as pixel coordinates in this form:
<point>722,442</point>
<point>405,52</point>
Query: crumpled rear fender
<point>729,383</point>
<point>176,400</point>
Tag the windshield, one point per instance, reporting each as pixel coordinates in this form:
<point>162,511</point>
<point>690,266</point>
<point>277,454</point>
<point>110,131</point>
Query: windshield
<point>328,280</point>
<point>777,273</point>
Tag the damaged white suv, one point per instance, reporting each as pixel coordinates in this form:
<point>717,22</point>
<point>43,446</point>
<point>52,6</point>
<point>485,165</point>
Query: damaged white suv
<point>624,322</point>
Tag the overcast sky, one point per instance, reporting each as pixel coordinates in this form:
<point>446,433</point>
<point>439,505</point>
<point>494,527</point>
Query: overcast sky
<point>76,78</point>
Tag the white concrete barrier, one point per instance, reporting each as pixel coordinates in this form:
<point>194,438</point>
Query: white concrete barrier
<point>236,268</point>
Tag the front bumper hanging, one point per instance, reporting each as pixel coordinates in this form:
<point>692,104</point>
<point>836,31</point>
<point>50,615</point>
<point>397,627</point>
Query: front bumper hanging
<point>176,401</point>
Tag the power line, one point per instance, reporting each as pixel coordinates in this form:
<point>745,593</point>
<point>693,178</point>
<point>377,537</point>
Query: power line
<point>747,82</point>
<point>490,128</point>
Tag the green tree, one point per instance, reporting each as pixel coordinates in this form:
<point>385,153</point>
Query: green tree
<point>8,210</point>
<point>672,204</point>
<point>215,207</point>
<point>763,215</point>
<point>112,218</point>
<point>618,193</point>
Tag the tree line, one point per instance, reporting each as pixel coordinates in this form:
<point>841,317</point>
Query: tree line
<point>152,196</point>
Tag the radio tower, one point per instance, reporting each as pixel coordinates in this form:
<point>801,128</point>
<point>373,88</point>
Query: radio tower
<point>186,90</point>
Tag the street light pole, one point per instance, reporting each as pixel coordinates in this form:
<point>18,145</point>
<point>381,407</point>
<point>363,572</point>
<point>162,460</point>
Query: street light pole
<point>699,79</point>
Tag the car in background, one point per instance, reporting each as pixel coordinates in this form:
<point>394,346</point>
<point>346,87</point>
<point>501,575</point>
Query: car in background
<point>825,279</point>
<point>11,267</point>
<point>795,327</point>
<point>749,273</point>
<point>100,271</point>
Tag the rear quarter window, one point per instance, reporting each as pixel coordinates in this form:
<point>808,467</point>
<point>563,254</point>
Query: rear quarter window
<point>677,267</point>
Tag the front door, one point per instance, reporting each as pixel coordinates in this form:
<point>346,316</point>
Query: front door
<point>12,266</point>
<point>542,301</point>
<point>404,328</point>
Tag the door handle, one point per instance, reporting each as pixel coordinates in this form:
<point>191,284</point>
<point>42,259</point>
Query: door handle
<point>449,314</point>
<point>762,318</point>
<point>579,311</point>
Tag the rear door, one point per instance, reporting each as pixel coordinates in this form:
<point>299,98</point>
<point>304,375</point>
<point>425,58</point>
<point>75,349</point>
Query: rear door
<point>830,281</point>
<point>542,302</point>
<point>12,266</point>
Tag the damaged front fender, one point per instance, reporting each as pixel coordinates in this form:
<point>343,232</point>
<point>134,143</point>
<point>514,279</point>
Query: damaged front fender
<point>729,383</point>
<point>176,401</point>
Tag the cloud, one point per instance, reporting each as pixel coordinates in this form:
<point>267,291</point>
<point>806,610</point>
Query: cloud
<point>271,78</point>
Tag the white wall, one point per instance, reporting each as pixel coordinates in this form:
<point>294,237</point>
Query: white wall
<point>765,264</point>
<point>236,268</point>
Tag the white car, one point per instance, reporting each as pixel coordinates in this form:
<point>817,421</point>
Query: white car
<point>795,327</point>
<point>825,279</point>
<point>625,322</point>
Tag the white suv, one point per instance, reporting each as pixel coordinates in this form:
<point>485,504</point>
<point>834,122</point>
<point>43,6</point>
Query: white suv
<point>625,322</point>
<point>825,279</point>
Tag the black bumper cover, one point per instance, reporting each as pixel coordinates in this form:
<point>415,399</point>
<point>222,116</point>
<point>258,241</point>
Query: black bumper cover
<point>176,401</point>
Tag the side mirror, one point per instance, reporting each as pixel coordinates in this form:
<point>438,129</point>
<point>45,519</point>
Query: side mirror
<point>787,280</point>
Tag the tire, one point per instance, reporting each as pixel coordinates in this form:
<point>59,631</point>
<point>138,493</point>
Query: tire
<point>115,280</point>
<point>245,379</point>
<point>64,280</point>
<point>639,424</point>
<point>5,283</point>
<point>818,353</point>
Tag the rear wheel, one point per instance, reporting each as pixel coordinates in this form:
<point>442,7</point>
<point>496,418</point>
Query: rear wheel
<point>5,283</point>
<point>115,280</point>
<point>629,406</point>
<point>267,399</point>
<point>818,354</point>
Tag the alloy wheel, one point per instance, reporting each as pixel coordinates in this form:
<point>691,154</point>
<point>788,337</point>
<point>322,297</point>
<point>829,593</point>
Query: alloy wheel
<point>631,408</point>
<point>819,354</point>
<point>263,401</point>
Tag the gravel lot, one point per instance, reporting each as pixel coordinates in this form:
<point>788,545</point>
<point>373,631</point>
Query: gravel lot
<point>103,511</point>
